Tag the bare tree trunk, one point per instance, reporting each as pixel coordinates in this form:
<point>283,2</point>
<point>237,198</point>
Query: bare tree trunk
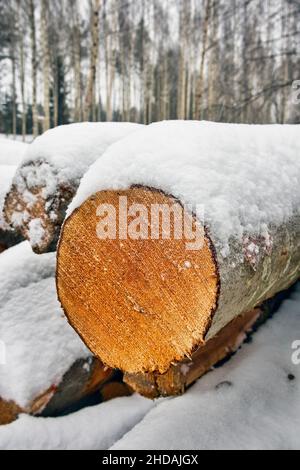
<point>46,63</point>
<point>21,34</point>
<point>111,47</point>
<point>76,51</point>
<point>109,77</point>
<point>165,92</point>
<point>212,64</point>
<point>181,86</point>
<point>183,70</point>
<point>147,72</point>
<point>90,94</point>
<point>55,94</point>
<point>200,83</point>
<point>14,94</point>
<point>33,67</point>
<point>285,62</point>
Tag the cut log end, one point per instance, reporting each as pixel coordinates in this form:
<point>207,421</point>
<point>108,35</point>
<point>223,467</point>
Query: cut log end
<point>180,376</point>
<point>34,211</point>
<point>140,305</point>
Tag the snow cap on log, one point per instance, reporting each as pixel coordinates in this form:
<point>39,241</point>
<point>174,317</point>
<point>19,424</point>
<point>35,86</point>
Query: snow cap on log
<point>143,305</point>
<point>44,364</point>
<point>49,175</point>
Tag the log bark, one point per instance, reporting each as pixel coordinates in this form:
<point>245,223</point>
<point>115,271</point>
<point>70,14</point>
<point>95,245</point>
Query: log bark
<point>84,378</point>
<point>8,238</point>
<point>172,302</point>
<point>115,389</point>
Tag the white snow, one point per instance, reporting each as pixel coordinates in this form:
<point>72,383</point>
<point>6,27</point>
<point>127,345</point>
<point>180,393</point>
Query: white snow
<point>36,231</point>
<point>40,345</point>
<point>11,151</point>
<point>70,149</point>
<point>241,174</point>
<point>60,157</point>
<point>251,402</point>
<point>248,403</point>
<point>6,175</point>
<point>93,428</point>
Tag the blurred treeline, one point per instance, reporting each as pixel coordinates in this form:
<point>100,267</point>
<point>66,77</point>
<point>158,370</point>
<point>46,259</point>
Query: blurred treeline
<point>146,60</point>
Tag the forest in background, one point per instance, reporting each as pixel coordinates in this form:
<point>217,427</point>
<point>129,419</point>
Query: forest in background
<point>67,61</point>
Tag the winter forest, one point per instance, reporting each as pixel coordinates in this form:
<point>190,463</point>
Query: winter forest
<point>67,61</point>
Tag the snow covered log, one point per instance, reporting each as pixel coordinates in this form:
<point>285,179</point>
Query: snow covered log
<point>44,367</point>
<point>8,237</point>
<point>49,176</point>
<point>151,299</point>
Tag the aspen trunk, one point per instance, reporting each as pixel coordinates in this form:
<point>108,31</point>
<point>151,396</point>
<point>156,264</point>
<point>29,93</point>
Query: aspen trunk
<point>22,69</point>
<point>76,51</point>
<point>14,94</point>
<point>46,64</point>
<point>33,67</point>
<point>90,93</point>
<point>183,71</point>
<point>200,81</point>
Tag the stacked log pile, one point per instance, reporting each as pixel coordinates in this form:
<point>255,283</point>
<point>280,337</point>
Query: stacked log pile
<point>49,370</point>
<point>45,368</point>
<point>164,309</point>
<point>49,176</point>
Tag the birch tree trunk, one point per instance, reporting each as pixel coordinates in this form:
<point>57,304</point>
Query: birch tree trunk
<point>76,51</point>
<point>90,93</point>
<point>213,62</point>
<point>21,34</point>
<point>183,77</point>
<point>200,81</point>
<point>33,66</point>
<point>14,93</point>
<point>46,63</point>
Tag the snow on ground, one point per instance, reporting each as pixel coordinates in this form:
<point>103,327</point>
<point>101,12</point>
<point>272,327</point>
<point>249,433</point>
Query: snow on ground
<point>251,402</point>
<point>19,138</point>
<point>93,428</point>
<point>40,346</point>
<point>11,151</point>
<point>6,175</point>
<point>241,174</point>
